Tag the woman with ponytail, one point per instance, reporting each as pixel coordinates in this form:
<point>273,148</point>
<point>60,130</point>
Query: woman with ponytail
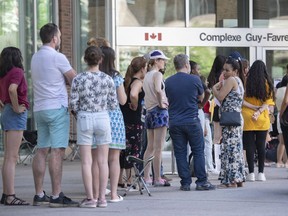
<point>132,113</point>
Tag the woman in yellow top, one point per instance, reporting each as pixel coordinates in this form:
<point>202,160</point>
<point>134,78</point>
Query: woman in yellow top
<point>259,95</point>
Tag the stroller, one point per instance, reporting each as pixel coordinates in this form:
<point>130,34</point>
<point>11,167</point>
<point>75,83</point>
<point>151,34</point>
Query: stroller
<point>28,147</point>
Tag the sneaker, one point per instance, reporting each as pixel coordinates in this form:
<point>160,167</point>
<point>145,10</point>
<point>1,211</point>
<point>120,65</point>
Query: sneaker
<point>102,203</point>
<point>261,177</point>
<point>205,186</point>
<point>213,172</point>
<point>250,177</point>
<point>37,200</point>
<point>162,183</point>
<point>62,201</point>
<point>185,187</point>
<point>88,203</point>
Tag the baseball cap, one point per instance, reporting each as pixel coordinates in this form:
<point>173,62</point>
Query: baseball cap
<point>236,55</point>
<point>157,54</point>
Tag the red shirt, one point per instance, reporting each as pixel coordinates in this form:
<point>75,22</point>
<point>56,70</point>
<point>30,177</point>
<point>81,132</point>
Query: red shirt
<point>206,107</point>
<point>14,76</point>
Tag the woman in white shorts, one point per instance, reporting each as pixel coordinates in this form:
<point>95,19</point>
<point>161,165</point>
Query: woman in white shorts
<point>93,94</point>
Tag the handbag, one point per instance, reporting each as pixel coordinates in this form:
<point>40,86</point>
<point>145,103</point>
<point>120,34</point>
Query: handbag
<point>284,117</point>
<point>230,118</point>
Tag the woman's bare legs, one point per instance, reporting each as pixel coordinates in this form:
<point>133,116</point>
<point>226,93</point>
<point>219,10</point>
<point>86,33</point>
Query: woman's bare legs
<point>86,164</point>
<point>114,171</point>
<point>100,154</point>
<point>216,142</point>
<point>12,142</point>
<point>156,139</point>
<point>281,154</point>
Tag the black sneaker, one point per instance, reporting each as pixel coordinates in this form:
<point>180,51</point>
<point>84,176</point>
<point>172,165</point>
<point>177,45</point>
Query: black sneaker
<point>185,187</point>
<point>37,201</point>
<point>62,201</point>
<point>206,186</point>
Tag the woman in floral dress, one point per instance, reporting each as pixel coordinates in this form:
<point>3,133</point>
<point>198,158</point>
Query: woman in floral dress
<point>230,92</point>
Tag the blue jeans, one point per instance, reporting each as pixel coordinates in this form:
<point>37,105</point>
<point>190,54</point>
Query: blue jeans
<point>181,136</point>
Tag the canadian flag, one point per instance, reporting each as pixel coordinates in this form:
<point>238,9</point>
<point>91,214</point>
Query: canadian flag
<point>153,36</point>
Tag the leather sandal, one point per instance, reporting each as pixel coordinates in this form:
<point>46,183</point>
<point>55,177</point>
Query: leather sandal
<point>16,201</point>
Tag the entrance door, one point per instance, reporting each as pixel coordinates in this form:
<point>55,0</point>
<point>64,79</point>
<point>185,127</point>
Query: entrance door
<point>276,60</point>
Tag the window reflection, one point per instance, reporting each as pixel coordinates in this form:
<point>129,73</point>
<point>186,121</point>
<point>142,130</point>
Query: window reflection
<point>127,53</point>
<point>92,24</point>
<point>168,13</point>
<point>270,14</point>
<point>9,23</point>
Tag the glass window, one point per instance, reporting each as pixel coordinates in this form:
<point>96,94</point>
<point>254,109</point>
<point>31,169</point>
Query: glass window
<point>204,56</point>
<point>276,61</point>
<point>92,24</point>
<point>218,13</point>
<point>152,13</point>
<point>32,40</point>
<point>270,14</point>
<point>9,23</point>
<point>127,53</point>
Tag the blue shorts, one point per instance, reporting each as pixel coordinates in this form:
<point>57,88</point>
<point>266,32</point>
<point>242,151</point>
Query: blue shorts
<point>156,118</point>
<point>93,128</point>
<point>53,128</point>
<point>11,120</point>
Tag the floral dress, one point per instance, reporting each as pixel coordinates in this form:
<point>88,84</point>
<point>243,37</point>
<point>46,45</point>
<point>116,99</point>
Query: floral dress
<point>232,163</point>
<point>117,121</point>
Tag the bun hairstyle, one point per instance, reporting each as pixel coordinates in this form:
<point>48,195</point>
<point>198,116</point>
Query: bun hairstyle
<point>99,42</point>
<point>93,55</point>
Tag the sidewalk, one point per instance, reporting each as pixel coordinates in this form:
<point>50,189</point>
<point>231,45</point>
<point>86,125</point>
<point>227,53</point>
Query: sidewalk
<point>255,198</point>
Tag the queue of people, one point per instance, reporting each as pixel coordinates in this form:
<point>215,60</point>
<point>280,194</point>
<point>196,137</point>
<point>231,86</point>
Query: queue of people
<point>109,112</point>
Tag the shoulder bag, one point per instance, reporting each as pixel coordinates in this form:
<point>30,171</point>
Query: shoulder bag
<point>232,118</point>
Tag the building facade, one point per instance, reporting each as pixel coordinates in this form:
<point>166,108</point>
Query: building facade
<point>258,29</point>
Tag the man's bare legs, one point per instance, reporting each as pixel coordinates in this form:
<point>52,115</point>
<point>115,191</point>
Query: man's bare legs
<point>55,165</point>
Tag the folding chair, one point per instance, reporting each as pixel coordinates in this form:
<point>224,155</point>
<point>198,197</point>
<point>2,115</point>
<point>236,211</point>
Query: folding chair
<point>28,147</point>
<point>139,180</point>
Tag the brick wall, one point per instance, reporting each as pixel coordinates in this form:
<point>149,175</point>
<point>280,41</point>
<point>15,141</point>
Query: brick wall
<point>66,27</point>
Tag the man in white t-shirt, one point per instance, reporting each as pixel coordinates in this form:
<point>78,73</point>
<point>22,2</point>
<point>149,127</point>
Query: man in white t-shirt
<point>50,70</point>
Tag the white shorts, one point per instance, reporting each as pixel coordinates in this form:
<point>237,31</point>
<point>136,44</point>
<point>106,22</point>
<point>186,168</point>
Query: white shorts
<point>93,128</point>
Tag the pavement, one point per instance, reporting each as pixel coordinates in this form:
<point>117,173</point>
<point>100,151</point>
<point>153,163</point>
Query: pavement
<point>255,198</point>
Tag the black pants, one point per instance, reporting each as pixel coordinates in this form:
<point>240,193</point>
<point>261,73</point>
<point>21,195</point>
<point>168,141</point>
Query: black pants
<point>285,136</point>
<point>255,140</point>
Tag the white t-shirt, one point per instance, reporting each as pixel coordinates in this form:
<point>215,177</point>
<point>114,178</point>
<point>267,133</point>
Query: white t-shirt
<point>47,71</point>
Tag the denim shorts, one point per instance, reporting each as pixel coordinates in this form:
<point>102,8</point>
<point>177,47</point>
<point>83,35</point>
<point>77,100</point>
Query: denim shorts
<point>11,120</point>
<point>53,128</point>
<point>156,118</point>
<point>93,128</point>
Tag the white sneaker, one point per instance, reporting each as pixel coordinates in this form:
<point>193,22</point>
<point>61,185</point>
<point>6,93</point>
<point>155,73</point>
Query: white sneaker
<point>250,177</point>
<point>213,172</point>
<point>261,177</point>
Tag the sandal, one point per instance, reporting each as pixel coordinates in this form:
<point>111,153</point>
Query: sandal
<point>3,198</point>
<point>16,201</point>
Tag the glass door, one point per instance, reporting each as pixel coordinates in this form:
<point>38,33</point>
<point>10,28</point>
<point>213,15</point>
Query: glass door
<point>276,61</point>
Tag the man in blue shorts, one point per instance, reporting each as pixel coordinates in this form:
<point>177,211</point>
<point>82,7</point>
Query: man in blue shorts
<point>50,71</point>
<point>184,124</point>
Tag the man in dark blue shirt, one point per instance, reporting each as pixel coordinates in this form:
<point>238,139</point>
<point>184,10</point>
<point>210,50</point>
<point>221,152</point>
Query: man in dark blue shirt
<point>184,91</point>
